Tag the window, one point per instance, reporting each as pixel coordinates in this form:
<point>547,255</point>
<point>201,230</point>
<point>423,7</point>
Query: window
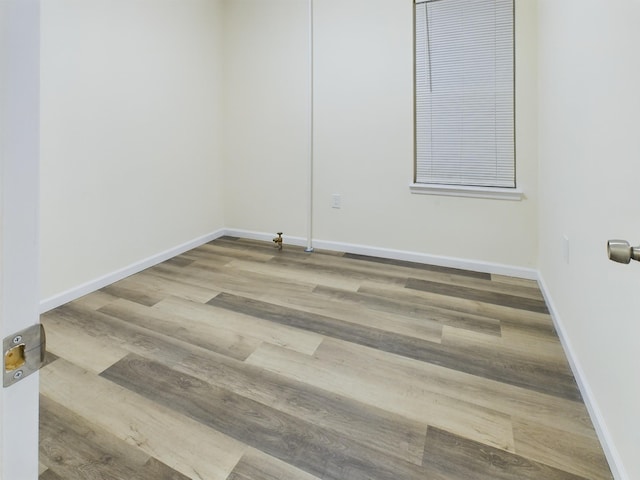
<point>465,94</point>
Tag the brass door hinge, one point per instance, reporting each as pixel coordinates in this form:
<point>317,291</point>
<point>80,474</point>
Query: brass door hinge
<point>24,354</point>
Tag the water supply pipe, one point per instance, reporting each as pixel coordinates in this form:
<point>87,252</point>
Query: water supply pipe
<point>309,247</point>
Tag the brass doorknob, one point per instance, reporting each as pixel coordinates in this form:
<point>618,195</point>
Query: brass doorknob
<point>622,252</point>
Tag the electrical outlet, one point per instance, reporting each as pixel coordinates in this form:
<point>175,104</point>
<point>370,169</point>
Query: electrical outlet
<point>336,200</point>
<point>565,249</point>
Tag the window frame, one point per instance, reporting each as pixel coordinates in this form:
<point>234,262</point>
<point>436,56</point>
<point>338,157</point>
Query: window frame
<point>491,192</point>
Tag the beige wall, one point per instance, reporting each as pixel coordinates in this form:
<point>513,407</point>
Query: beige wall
<point>266,120</point>
<point>130,141</point>
<point>589,166</point>
<point>141,101</point>
<point>363,133</point>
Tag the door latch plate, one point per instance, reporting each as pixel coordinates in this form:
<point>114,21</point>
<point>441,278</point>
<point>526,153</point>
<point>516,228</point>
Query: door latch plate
<point>24,354</point>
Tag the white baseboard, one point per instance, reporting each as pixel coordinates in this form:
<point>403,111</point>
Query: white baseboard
<point>442,261</point>
<point>265,237</point>
<point>606,440</point>
<point>98,283</point>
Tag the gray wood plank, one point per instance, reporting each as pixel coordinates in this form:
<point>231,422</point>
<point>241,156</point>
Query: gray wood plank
<point>384,431</point>
<point>476,323</point>
<point>322,324</point>
<point>192,333</point>
<point>255,465</point>
<point>176,440</point>
<point>495,298</point>
<point>553,446</point>
<point>500,366</point>
<point>462,459</point>
<point>379,429</point>
<point>397,274</point>
<point>215,250</point>
<point>133,336</point>
<point>420,266</point>
<point>49,475</point>
<point>302,444</point>
<point>408,299</point>
<point>74,449</point>
<point>179,261</point>
<point>338,267</point>
<point>163,287</point>
<point>229,279</point>
<point>141,296</point>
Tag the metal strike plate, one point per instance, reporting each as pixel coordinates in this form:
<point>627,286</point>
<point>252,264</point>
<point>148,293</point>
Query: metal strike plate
<point>23,354</point>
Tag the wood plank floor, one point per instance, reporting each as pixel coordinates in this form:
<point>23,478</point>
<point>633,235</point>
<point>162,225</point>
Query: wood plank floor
<point>236,361</point>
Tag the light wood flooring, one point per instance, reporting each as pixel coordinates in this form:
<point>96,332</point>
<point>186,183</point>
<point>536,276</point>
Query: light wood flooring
<point>237,361</point>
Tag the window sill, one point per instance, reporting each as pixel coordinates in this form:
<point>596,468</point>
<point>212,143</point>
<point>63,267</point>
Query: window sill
<point>495,193</point>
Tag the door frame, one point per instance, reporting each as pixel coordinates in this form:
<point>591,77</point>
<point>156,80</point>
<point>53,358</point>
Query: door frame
<point>19,224</point>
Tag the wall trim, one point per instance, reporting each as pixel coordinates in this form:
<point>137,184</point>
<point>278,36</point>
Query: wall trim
<point>98,283</point>
<point>495,193</point>
<point>442,261</point>
<point>604,435</point>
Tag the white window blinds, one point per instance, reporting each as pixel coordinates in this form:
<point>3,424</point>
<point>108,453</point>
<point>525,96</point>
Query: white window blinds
<point>465,93</point>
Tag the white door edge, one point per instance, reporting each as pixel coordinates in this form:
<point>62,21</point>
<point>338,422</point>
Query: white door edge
<point>19,219</point>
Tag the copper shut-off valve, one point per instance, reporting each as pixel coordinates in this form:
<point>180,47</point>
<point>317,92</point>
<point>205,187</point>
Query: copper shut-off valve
<point>278,241</point>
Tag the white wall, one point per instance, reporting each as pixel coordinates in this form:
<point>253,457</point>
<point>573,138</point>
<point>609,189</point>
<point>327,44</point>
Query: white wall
<point>131,120</point>
<point>589,167</point>
<point>142,99</point>
<point>266,119</point>
<point>364,133</point>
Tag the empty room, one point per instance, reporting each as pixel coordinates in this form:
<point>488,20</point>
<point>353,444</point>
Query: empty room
<point>319,239</point>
